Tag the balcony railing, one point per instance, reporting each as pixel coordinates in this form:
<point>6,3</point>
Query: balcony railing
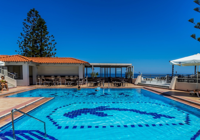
<point>156,78</point>
<point>188,80</point>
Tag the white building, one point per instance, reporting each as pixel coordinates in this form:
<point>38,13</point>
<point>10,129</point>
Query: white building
<point>27,68</point>
<point>23,71</point>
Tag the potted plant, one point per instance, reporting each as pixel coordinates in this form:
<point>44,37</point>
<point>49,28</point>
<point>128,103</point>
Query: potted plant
<point>93,74</point>
<point>129,75</point>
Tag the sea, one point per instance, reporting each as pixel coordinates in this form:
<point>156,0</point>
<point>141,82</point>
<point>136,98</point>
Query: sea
<point>136,75</point>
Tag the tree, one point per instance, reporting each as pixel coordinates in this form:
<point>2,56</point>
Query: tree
<point>46,43</point>
<point>35,40</point>
<point>196,25</point>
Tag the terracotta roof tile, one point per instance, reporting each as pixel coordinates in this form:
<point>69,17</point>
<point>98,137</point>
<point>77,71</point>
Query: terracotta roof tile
<point>2,56</point>
<point>15,58</point>
<point>59,60</point>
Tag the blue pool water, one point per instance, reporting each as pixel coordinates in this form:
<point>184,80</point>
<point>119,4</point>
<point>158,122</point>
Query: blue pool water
<point>107,114</point>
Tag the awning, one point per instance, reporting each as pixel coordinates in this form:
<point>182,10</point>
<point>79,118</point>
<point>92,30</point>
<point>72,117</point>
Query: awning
<point>193,60</point>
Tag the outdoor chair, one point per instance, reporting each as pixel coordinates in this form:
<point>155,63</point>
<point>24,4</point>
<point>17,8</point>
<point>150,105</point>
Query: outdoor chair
<point>98,81</point>
<point>67,80</point>
<point>44,81</point>
<point>194,92</point>
<point>71,78</point>
<point>112,81</point>
<point>80,81</point>
<point>91,82</point>
<point>73,82</point>
<point>58,80</point>
<point>53,80</point>
<point>124,82</point>
<point>85,80</point>
<point>38,82</point>
<point>116,82</point>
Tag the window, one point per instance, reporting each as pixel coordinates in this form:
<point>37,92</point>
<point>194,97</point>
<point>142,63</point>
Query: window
<point>17,70</point>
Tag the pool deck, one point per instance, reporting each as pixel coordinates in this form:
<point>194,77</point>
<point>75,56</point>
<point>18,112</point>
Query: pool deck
<point>177,95</point>
<point>7,104</point>
<point>7,117</point>
<point>27,104</point>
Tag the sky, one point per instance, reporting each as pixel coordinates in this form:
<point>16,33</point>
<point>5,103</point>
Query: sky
<point>146,33</point>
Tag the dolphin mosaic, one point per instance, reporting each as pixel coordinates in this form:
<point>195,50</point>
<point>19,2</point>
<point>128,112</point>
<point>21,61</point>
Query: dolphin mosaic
<point>95,111</point>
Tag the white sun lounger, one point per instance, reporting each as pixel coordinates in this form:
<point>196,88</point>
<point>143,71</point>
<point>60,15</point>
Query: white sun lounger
<point>192,92</point>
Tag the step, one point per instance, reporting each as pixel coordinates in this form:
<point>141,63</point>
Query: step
<point>26,135</point>
<point>151,85</point>
<point>10,85</point>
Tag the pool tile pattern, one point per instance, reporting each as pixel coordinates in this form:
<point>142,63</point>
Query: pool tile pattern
<point>76,113</point>
<point>26,135</point>
<point>94,111</point>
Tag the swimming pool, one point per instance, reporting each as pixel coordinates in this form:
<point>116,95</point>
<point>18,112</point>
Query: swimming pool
<point>107,114</point>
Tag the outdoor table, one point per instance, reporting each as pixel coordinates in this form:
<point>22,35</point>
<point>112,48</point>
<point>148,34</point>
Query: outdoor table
<point>49,81</point>
<point>69,82</point>
<point>92,83</point>
<point>117,83</point>
<point>124,83</point>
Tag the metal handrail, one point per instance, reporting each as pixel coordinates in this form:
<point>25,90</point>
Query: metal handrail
<point>9,74</point>
<point>27,115</point>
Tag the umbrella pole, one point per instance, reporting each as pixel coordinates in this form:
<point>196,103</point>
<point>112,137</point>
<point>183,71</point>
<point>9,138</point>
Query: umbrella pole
<point>197,76</point>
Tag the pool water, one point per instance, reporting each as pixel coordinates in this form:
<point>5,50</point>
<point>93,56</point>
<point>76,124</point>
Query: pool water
<point>107,114</point>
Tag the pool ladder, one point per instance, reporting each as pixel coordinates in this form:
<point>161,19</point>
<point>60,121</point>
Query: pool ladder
<point>13,127</point>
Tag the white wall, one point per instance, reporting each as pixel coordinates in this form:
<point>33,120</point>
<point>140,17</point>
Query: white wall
<point>186,86</point>
<point>25,69</point>
<point>173,82</point>
<point>80,71</point>
<point>138,80</point>
<point>47,69</point>
<point>57,70</point>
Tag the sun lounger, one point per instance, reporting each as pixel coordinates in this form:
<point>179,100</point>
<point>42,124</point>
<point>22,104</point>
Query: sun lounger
<point>194,92</point>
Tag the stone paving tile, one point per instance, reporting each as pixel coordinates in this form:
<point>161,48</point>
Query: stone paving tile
<point>7,119</point>
<point>7,104</point>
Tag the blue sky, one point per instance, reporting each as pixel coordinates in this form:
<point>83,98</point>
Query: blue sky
<point>145,33</point>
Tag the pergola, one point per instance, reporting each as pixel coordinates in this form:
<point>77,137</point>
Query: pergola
<point>105,68</point>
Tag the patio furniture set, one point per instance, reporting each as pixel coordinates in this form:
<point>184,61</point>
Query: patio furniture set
<point>60,80</point>
<point>116,82</point>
